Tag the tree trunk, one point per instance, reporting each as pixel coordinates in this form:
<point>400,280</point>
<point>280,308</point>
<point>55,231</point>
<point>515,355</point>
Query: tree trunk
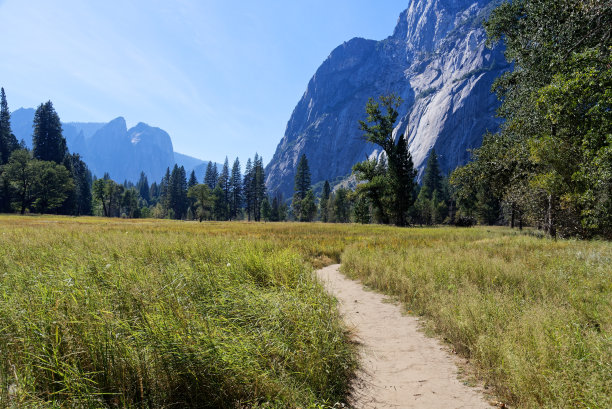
<point>512,217</point>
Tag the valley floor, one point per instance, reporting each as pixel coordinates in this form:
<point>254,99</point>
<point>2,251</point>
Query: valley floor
<point>99,312</point>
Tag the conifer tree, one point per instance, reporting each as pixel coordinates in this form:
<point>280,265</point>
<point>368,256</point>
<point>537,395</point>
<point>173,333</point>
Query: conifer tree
<point>193,180</point>
<point>259,186</point>
<point>164,191</point>
<point>224,182</point>
<point>211,176</point>
<point>301,189</point>
<point>247,189</point>
<point>8,142</point>
<point>143,188</point>
<point>432,177</point>
<point>235,190</point>
<point>177,187</point>
<point>324,201</point>
<point>79,198</point>
<point>302,178</point>
<point>48,143</point>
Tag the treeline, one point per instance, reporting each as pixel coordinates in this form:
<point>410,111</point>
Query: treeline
<point>550,165</point>
<point>221,196</point>
<point>49,179</point>
<point>46,179</point>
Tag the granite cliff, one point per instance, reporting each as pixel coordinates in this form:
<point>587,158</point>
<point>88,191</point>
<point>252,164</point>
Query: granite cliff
<point>436,60</point>
<point>112,147</point>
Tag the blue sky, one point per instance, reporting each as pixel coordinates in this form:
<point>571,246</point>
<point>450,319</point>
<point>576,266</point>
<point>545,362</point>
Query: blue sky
<point>221,77</point>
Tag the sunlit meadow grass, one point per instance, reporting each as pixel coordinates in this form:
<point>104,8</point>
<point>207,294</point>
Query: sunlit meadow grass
<point>132,313</point>
<point>116,313</point>
<point>533,315</point>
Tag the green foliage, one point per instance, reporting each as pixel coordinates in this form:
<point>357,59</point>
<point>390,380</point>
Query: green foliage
<point>236,191</point>
<point>550,162</point>
<point>203,201</point>
<point>324,202</point>
<point>36,185</point>
<point>48,142</point>
<point>389,186</point>
<point>211,176</point>
<point>52,183</point>
<point>8,142</point>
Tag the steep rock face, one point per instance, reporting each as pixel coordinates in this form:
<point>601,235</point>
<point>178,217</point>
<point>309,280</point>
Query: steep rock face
<point>110,147</point>
<point>436,60</point>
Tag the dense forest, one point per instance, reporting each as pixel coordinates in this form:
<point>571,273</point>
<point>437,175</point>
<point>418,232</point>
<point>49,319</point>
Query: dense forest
<point>550,165</point>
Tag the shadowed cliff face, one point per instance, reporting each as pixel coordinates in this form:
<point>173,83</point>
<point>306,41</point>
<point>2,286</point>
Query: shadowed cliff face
<point>436,60</point>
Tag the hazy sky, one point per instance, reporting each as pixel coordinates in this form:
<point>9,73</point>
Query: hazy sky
<point>221,77</point>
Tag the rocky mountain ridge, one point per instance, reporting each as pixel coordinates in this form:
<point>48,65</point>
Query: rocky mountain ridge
<point>112,147</point>
<point>436,60</point>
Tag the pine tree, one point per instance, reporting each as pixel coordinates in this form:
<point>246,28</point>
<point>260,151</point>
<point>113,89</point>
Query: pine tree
<point>247,189</point>
<point>8,142</point>
<point>164,192</point>
<point>193,180</point>
<point>275,211</point>
<point>301,188</point>
<point>211,176</point>
<point>177,187</point>
<point>259,186</point>
<point>324,201</point>
<point>79,199</point>
<point>302,178</point>
<point>224,182</point>
<point>266,209</point>
<point>143,188</point>
<point>432,177</point>
<point>48,142</point>
<point>235,190</point>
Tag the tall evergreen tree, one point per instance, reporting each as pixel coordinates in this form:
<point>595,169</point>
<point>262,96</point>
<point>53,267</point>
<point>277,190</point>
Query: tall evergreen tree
<point>8,142</point>
<point>432,178</point>
<point>193,180</point>
<point>79,198</point>
<point>235,190</point>
<point>143,188</point>
<point>164,191</point>
<point>177,189</point>
<point>302,178</point>
<point>301,189</point>
<point>259,186</point>
<point>48,143</point>
<point>325,201</point>
<point>224,182</point>
<point>247,189</point>
<point>211,176</point>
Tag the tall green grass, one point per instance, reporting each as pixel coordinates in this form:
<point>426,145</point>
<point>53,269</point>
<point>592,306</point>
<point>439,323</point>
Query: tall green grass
<point>533,315</point>
<point>132,313</point>
<point>165,314</point>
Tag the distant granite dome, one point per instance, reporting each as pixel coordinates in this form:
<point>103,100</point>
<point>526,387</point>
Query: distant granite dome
<point>111,147</point>
<point>436,60</point>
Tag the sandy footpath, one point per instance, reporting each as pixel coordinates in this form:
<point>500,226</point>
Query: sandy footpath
<point>401,367</point>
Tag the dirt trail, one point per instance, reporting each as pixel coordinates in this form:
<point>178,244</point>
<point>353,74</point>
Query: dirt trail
<point>401,367</point>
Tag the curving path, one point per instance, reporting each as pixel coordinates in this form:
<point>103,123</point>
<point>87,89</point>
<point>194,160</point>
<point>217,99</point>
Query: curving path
<point>401,367</point>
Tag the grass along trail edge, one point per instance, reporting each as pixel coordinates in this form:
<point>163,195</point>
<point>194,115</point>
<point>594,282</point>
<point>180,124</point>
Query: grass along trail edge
<point>401,367</point>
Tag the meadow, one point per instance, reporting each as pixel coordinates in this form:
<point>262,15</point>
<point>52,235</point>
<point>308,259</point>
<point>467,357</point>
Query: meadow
<point>148,313</point>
